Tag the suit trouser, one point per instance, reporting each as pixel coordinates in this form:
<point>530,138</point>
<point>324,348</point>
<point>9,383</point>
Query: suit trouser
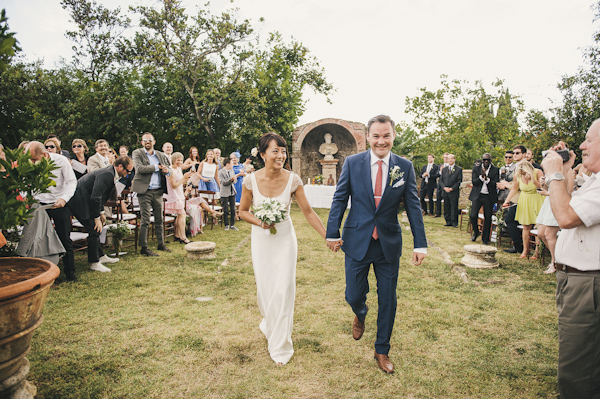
<point>357,287</point>
<point>151,199</point>
<point>488,207</point>
<point>438,209</point>
<point>228,204</point>
<point>62,225</point>
<point>94,248</point>
<point>427,191</point>
<point>451,210</point>
<point>577,302</point>
<point>513,228</point>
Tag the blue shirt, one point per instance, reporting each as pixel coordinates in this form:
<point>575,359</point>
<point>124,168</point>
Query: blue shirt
<point>155,179</point>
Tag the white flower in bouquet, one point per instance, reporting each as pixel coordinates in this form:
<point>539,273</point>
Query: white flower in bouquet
<point>270,211</point>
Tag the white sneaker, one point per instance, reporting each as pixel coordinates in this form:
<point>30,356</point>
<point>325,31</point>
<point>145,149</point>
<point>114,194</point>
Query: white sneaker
<point>99,267</point>
<point>233,228</point>
<point>106,259</point>
<point>226,228</point>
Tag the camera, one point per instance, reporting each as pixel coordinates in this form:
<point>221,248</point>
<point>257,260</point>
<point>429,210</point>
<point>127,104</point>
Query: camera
<point>563,153</point>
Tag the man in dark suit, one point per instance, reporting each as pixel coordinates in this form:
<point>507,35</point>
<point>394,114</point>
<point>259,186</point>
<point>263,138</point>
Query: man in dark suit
<point>93,190</point>
<point>376,181</point>
<point>438,200</point>
<point>429,173</point>
<point>149,182</point>
<point>484,178</point>
<point>451,179</point>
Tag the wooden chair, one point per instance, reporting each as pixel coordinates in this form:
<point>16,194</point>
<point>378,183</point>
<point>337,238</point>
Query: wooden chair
<point>212,202</point>
<point>132,219</point>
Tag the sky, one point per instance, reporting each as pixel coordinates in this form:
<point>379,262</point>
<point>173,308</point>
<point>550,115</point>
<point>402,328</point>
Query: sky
<point>378,52</point>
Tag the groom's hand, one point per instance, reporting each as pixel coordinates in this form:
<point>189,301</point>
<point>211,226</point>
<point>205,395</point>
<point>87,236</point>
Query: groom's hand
<point>334,245</point>
<point>418,258</point>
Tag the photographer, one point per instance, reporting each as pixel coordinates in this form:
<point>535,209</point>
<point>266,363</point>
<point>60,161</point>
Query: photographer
<point>578,266</point>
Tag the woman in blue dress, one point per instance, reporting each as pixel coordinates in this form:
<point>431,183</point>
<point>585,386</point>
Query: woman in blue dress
<point>240,172</point>
<point>208,172</point>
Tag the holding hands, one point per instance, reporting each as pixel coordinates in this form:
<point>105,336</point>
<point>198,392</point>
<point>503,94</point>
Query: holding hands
<point>334,245</point>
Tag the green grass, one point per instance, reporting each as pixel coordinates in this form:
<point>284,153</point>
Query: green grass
<point>138,332</point>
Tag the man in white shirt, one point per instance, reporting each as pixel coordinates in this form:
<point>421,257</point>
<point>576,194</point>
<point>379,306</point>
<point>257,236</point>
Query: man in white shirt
<point>58,196</point>
<point>438,208</point>
<point>578,269</point>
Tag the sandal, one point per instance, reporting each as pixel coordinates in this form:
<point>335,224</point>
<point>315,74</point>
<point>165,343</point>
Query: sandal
<point>551,269</point>
<point>522,256</point>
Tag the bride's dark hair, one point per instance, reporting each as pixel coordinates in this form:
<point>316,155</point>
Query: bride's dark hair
<point>265,140</point>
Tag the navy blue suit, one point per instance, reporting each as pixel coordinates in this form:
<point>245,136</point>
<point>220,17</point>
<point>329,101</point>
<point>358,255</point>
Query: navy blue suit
<point>360,249</point>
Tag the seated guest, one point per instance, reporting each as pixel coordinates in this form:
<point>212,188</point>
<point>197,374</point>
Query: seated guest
<point>93,190</point>
<point>484,178</point>
<point>194,207</point>
<point>175,197</point>
<point>80,150</point>
<point>228,179</point>
<point>53,146</point>
<point>63,152</point>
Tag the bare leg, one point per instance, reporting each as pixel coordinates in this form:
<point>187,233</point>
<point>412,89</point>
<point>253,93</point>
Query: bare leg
<point>526,231</point>
<point>550,239</point>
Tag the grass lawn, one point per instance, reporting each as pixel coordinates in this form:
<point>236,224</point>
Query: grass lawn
<point>139,332</point>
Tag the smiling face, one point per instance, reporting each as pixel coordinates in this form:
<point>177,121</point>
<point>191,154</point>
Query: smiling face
<point>102,148</point>
<point>148,141</point>
<point>210,156</point>
<point>430,158</point>
<point>381,138</point>
<point>518,155</point>
<point>167,148</point>
<point>274,156</point>
<point>591,148</point>
<point>451,159</point>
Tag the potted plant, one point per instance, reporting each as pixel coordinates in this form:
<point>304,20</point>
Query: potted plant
<point>119,231</point>
<point>24,282</point>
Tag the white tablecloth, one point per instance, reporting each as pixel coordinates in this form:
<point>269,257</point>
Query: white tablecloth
<point>320,196</point>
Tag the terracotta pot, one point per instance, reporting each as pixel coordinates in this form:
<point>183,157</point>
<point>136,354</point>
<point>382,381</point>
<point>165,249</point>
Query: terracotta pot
<point>21,307</point>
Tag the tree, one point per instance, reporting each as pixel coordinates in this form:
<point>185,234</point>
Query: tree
<point>8,42</point>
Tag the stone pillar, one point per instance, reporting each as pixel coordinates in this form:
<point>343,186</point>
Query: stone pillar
<point>329,167</point>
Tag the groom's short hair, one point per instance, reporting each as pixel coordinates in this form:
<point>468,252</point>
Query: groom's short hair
<point>380,119</point>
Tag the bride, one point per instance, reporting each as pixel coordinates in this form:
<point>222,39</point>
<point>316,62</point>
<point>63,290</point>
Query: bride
<point>274,256</point>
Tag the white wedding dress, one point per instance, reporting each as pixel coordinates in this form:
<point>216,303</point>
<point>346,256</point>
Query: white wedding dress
<point>274,260</point>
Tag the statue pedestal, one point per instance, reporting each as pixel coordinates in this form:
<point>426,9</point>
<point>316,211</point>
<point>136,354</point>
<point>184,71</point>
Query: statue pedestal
<point>329,167</point>
<point>480,257</point>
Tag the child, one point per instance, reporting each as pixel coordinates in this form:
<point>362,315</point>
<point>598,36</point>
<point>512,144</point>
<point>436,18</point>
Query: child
<point>227,179</point>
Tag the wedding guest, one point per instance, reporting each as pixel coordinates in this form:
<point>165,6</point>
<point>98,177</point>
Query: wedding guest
<point>239,172</point>
<point>218,158</point>
<point>176,198</point>
<point>100,158</point>
<point>80,150</point>
<point>63,152</point>
<point>53,146</point>
<point>527,181</point>
<point>529,158</point>
<point>209,175</point>
<point>451,177</point>
<point>512,224</point>
<point>123,151</point>
<point>484,179</point>
<point>111,155</point>
<point>248,165</point>
<point>192,161</point>
<point>438,207</point>
<point>194,207</point>
<point>429,173</point>
<point>168,150</point>
<point>228,179</point>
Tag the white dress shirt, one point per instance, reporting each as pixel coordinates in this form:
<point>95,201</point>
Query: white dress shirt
<point>65,179</point>
<point>578,247</point>
<point>428,171</point>
<point>486,180</point>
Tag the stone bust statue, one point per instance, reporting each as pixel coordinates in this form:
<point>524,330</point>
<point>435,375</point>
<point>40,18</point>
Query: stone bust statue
<point>328,149</point>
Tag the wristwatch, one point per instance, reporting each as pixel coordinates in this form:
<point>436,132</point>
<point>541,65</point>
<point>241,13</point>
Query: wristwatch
<point>555,176</point>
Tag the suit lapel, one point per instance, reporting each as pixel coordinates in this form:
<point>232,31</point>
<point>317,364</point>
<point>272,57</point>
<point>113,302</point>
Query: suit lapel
<point>366,177</point>
<point>385,184</point>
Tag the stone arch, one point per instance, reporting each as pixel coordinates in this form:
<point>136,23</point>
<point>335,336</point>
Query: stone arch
<point>350,137</point>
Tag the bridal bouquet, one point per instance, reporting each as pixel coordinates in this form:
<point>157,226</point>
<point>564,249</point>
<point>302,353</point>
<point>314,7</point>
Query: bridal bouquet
<point>270,211</point>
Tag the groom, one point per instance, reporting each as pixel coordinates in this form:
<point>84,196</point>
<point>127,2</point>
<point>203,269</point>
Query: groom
<point>377,181</point>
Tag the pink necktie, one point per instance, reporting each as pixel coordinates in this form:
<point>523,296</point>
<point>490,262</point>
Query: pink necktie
<point>378,179</point>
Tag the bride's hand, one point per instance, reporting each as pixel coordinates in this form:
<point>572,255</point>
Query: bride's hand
<point>266,226</point>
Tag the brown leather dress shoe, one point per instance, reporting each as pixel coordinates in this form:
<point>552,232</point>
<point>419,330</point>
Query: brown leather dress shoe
<point>358,328</point>
<point>384,363</point>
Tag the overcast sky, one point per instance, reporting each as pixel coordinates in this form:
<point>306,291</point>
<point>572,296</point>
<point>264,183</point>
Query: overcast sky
<point>376,52</point>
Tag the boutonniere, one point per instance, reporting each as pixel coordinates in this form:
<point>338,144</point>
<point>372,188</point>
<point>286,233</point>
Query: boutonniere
<point>396,174</point>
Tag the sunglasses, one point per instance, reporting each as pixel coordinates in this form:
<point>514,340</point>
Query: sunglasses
<point>77,146</point>
<point>50,147</point>
<point>507,157</point>
<point>147,140</point>
<point>518,153</point>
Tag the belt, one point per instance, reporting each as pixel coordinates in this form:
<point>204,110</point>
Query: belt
<point>568,269</point>
<point>154,189</point>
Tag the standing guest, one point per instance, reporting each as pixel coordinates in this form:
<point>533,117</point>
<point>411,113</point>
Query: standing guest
<point>582,174</point>
<point>376,181</point>
<point>227,179</point>
<point>578,265</point>
<point>484,179</point>
<point>438,209</point>
<point>93,190</point>
<point>506,177</point>
<point>193,160</point>
<point>451,179</point>
<point>274,256</point>
<point>176,198</point>
<point>63,152</point>
<point>248,167</point>
<point>527,181</point>
<point>239,172</point>
<point>53,146</point>
<point>429,173</point>
<point>58,196</point>
<point>80,150</point>
<point>218,158</point>
<point>100,159</point>
<point>509,216</point>
<point>529,158</point>
<point>150,184</point>
<point>123,151</point>
<point>168,150</point>
<point>208,173</point>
